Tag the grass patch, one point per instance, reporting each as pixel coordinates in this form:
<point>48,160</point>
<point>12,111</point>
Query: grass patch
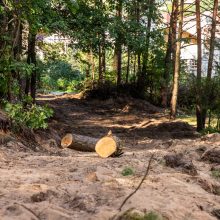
<point>190,119</point>
<point>127,171</point>
<point>216,174</point>
<point>129,215</point>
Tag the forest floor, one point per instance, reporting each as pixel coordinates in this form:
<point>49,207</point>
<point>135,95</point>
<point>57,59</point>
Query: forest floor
<point>43,181</point>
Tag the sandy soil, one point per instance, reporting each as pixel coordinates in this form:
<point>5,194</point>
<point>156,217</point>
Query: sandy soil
<point>42,181</point>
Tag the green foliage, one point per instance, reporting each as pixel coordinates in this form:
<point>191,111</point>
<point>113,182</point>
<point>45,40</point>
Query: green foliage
<point>33,116</point>
<point>216,174</point>
<point>59,70</point>
<point>128,171</point>
<point>132,215</point>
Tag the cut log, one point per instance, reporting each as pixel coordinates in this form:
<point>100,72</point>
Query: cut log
<point>109,145</point>
<point>105,147</point>
<point>79,142</point>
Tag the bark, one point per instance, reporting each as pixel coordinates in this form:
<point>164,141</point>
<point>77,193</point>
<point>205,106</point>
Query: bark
<point>147,42</point>
<point>139,72</point>
<point>31,59</point>
<point>128,66</point>
<point>174,30</point>
<point>92,65</point>
<point>134,66</point>
<point>177,65</point>
<point>102,58</point>
<point>100,80</point>
<point>199,107</point>
<point>103,55</point>
<point>118,46</point>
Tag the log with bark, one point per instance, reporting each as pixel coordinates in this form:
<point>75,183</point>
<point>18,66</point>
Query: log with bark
<point>107,146</point>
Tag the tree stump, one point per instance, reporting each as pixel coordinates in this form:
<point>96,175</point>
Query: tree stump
<point>107,146</point>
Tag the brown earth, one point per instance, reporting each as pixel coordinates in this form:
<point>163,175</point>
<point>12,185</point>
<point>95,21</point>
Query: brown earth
<point>42,181</point>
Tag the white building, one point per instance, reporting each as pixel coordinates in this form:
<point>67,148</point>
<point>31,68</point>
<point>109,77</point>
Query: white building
<point>189,50</point>
<point>189,47</point>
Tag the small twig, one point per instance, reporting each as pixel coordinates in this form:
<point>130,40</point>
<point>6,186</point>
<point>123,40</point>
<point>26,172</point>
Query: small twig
<point>29,210</point>
<point>144,177</point>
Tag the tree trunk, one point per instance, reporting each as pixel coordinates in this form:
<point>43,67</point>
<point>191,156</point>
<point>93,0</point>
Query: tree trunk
<point>128,66</point>
<point>174,31</point>
<point>102,58</point>
<point>167,61</point>
<point>104,147</point>
<point>31,59</point>
<point>147,43</point>
<point>100,80</point>
<point>199,108</point>
<point>92,65</point>
<point>140,83</point>
<point>212,40</point>
<point>118,45</point>
<point>177,65</point>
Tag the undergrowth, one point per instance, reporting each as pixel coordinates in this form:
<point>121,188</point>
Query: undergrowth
<point>32,116</point>
<point>130,215</point>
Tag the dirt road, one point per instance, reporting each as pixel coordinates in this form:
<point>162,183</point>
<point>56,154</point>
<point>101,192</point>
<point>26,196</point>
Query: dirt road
<point>46,182</point>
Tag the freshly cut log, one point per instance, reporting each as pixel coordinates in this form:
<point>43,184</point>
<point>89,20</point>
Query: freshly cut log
<point>105,147</point>
<point>79,142</point>
<point>108,146</point>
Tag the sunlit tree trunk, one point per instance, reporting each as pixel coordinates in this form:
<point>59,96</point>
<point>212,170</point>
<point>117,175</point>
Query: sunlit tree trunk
<point>167,61</point>
<point>177,64</point>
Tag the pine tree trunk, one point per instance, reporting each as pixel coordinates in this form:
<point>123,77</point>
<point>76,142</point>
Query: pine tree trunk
<point>177,65</point>
<point>128,66</point>
<point>212,39</point>
<point>147,43</point>
<point>174,31</point>
<point>118,46</point>
<point>100,80</point>
<point>167,61</point>
<point>199,107</point>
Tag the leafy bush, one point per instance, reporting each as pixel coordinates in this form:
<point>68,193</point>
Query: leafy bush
<point>33,117</point>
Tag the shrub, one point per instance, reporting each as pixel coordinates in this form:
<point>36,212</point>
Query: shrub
<point>33,116</point>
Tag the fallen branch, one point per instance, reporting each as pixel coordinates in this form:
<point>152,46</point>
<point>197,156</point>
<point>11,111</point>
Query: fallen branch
<point>29,210</point>
<point>144,177</point>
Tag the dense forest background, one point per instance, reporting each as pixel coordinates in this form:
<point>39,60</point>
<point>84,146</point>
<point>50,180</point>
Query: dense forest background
<point>108,49</point>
